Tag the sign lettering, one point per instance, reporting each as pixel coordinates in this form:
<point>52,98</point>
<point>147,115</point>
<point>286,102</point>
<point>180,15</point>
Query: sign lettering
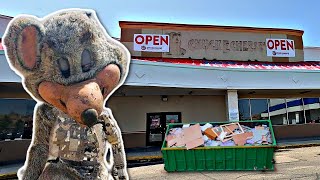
<point>151,42</point>
<point>280,47</point>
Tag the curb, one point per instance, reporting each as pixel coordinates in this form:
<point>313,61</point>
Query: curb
<point>137,158</point>
<point>11,175</point>
<point>297,146</point>
<point>146,158</point>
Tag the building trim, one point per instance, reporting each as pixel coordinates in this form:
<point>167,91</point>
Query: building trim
<point>193,27</point>
<point>5,16</point>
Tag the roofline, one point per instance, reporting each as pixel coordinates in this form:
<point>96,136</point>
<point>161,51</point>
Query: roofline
<point>311,47</point>
<point>5,16</point>
<point>157,25</point>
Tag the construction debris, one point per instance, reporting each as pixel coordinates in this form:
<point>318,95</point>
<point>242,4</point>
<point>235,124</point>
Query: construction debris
<point>208,135</point>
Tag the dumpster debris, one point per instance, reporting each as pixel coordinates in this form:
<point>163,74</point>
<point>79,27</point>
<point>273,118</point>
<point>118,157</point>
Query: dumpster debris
<point>205,127</point>
<point>205,138</point>
<point>185,126</point>
<point>207,135</point>
<point>210,133</point>
<point>241,139</point>
<point>193,136</point>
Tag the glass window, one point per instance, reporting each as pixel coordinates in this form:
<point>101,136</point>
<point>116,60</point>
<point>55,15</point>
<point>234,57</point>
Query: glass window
<point>312,110</point>
<point>277,111</point>
<point>244,109</point>
<point>259,109</point>
<point>295,111</point>
<point>16,118</point>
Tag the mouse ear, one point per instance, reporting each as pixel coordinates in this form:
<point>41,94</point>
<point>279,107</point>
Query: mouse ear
<point>22,42</point>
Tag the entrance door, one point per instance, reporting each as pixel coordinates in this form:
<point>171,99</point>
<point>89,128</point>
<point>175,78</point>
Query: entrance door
<point>156,126</point>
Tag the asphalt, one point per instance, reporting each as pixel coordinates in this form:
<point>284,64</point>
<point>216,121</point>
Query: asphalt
<point>152,155</point>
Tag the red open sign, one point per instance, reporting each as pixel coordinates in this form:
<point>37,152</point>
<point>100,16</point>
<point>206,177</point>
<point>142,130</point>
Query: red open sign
<point>280,44</point>
<point>152,39</point>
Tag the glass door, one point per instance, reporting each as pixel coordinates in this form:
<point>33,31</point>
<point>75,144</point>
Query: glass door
<point>156,126</point>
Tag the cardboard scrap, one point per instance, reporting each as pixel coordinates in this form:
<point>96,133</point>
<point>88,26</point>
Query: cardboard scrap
<point>241,139</point>
<point>171,142</point>
<point>194,143</point>
<point>192,133</point>
<point>210,134</point>
<point>169,137</point>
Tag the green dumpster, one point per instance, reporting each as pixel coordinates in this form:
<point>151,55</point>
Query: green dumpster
<point>220,157</point>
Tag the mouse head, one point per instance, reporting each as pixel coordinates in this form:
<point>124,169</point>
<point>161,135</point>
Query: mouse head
<point>67,60</point>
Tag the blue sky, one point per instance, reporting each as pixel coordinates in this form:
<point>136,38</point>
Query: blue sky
<point>293,14</point>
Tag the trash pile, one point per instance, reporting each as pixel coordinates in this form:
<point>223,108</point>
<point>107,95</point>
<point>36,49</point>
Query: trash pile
<point>233,134</point>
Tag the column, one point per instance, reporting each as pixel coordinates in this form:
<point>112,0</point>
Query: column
<point>232,105</point>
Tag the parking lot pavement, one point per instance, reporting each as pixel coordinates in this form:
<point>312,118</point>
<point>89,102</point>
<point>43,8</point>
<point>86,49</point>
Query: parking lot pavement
<point>293,164</point>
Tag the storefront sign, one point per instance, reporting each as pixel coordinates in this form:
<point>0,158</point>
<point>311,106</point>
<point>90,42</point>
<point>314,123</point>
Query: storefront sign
<point>280,48</point>
<point>225,45</point>
<point>151,42</point>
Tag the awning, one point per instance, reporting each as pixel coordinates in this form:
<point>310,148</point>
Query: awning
<point>309,65</point>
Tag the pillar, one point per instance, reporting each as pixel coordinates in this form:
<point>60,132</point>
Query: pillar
<point>232,105</point>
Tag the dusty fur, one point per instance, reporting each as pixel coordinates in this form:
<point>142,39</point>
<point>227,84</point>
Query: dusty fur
<point>67,34</point>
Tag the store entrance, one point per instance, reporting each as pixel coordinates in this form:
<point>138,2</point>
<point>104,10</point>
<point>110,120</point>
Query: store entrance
<point>156,126</point>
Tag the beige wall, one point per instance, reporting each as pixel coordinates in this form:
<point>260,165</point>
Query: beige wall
<point>130,112</point>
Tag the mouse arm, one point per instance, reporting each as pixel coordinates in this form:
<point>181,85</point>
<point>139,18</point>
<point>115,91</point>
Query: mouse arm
<point>113,136</point>
<point>39,148</point>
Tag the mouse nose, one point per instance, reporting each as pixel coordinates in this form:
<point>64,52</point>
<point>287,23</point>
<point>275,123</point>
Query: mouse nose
<point>89,117</point>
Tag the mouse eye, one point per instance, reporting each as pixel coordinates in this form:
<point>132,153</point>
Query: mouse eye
<point>85,61</point>
<point>64,67</point>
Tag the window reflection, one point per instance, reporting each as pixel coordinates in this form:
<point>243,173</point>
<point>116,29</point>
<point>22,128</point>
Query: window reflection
<point>277,111</point>
<point>259,109</point>
<point>312,110</point>
<point>281,111</point>
<point>244,109</point>
<point>16,118</point>
<point>295,111</point>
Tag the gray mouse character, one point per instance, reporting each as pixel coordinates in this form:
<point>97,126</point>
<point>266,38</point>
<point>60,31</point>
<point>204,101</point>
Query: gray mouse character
<point>70,66</point>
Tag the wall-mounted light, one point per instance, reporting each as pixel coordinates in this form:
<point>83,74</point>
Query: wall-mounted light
<point>252,92</point>
<point>164,98</point>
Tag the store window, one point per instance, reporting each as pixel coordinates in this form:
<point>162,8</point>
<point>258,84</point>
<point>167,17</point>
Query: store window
<point>16,118</point>
<point>281,111</point>
<point>244,109</point>
<point>312,110</point>
<point>259,109</point>
<point>278,111</point>
<point>295,109</point>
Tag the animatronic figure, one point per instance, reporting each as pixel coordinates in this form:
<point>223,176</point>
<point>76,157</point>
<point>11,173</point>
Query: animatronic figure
<point>70,65</point>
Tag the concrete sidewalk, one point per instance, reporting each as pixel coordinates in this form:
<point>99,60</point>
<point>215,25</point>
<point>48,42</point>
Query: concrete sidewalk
<point>151,153</point>
<point>290,164</point>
